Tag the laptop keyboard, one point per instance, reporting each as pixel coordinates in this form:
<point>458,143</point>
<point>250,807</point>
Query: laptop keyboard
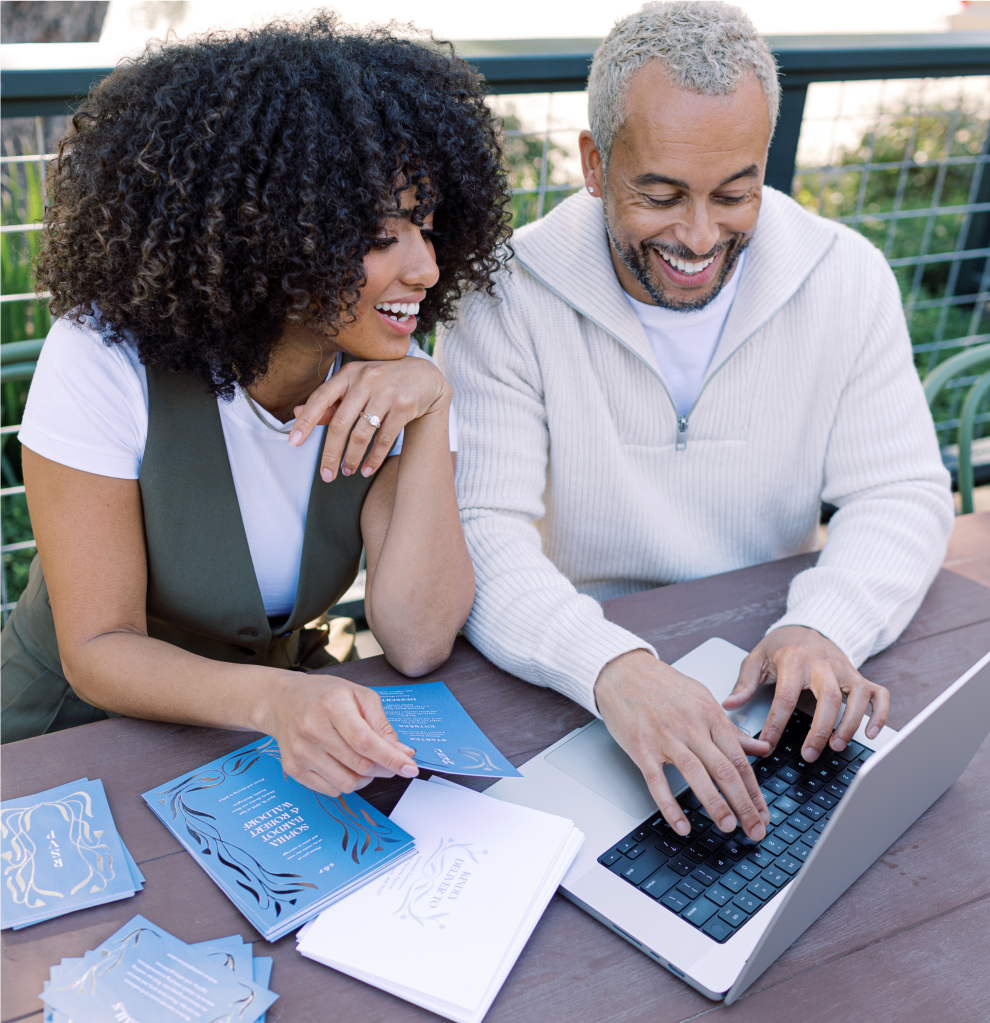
<point>717,881</point>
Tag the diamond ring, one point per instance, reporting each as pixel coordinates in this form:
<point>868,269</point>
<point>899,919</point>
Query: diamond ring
<point>374,420</point>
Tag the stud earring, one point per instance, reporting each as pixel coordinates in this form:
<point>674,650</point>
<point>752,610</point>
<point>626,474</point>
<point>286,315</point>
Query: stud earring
<point>591,188</point>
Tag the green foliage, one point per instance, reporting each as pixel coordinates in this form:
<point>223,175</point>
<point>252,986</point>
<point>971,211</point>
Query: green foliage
<point>850,188</point>
<point>524,156</point>
<point>22,203</point>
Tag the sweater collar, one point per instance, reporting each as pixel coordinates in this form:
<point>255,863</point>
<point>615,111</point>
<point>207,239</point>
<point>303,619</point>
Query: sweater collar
<point>568,252</point>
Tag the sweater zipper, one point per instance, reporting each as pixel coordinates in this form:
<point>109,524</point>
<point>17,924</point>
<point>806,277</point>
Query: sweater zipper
<point>682,428</point>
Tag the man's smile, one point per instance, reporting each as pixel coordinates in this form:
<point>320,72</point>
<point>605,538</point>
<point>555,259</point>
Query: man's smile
<point>693,274</point>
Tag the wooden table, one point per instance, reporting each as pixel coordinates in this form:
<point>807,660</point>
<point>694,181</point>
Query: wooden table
<point>908,942</point>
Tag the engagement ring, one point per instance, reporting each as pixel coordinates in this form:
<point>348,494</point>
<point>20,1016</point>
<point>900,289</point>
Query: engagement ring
<point>374,420</point>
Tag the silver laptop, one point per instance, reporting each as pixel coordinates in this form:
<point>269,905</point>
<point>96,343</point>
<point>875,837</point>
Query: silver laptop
<point>717,910</point>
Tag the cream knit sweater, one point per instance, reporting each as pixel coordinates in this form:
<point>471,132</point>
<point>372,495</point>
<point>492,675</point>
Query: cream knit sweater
<point>577,482</point>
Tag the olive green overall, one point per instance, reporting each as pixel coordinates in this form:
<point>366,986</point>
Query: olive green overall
<point>203,595</point>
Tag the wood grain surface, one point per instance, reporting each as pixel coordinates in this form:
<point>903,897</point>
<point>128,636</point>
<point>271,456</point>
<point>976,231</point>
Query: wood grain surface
<point>905,943</point>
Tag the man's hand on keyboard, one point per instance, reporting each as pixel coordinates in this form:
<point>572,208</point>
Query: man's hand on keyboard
<point>796,658</point>
<point>659,716</point>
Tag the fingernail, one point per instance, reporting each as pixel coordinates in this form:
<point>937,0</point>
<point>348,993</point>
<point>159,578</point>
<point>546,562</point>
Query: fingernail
<point>765,817</point>
<point>344,471</point>
<point>808,754</point>
<point>295,437</point>
<point>759,834</point>
<point>873,731</point>
<point>367,471</point>
<point>407,749</point>
<point>409,771</point>
<point>838,743</point>
<point>727,824</point>
<point>682,828</point>
<point>327,475</point>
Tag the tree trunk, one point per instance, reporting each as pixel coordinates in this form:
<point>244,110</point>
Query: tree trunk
<point>51,22</point>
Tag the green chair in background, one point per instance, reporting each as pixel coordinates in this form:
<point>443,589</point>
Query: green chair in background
<point>933,384</point>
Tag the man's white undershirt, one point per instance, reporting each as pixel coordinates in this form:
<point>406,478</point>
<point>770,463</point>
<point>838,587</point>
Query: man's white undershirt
<point>684,342</point>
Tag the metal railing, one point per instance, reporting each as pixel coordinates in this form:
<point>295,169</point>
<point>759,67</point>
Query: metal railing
<point>926,205</point>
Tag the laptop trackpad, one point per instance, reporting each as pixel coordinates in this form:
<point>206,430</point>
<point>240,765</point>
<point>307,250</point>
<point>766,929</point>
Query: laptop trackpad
<point>598,762</point>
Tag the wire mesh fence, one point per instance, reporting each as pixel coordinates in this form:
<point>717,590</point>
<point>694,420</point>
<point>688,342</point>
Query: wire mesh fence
<point>903,162</point>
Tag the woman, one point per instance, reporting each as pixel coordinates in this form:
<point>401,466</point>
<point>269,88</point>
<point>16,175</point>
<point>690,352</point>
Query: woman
<point>244,233</point>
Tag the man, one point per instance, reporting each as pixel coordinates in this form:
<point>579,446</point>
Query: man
<point>679,367</point>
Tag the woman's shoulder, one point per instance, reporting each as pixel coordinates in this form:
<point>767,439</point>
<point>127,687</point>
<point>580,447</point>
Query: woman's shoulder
<point>87,407</point>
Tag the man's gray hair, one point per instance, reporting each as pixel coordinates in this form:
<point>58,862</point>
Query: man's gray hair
<point>705,46</point>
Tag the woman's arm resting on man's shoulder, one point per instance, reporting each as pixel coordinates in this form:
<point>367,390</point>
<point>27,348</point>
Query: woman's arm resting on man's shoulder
<point>333,734</point>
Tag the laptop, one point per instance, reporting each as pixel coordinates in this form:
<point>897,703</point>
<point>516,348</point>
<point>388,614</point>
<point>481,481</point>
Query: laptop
<point>716,909</point>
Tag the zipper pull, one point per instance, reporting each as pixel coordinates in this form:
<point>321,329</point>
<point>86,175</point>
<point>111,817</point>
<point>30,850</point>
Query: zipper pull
<point>682,428</point>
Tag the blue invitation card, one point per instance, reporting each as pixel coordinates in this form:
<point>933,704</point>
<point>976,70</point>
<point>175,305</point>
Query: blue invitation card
<point>142,972</point>
<point>428,718</point>
<point>279,851</point>
<point>60,852</point>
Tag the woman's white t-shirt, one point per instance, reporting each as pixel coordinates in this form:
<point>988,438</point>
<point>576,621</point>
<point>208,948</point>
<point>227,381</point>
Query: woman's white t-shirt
<point>88,409</point>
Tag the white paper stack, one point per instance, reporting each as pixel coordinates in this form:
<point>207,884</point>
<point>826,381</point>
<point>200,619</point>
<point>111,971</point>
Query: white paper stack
<point>444,928</point>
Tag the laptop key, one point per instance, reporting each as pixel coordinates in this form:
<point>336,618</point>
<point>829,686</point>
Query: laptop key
<point>710,841</point>
<point>821,772</point>
<point>812,811</point>
<point>812,784</point>
<point>682,865</point>
<point>785,834</point>
<point>799,794</point>
<point>689,801</point>
<point>699,911</point>
<point>799,822</point>
<point>833,761</point>
<point>786,804</point>
<point>636,851</point>
<point>851,752</point>
<point>732,915</point>
<point>640,869</point>
<point>776,785</point>
<point>607,859</point>
<point>691,888</point>
<point>775,876</point>
<point>810,837</point>
<point>789,775</point>
<point>764,770</point>
<point>854,768</point>
<point>824,799</point>
<point>659,883</point>
<point>719,863</point>
<point>733,850</point>
<point>822,824</point>
<point>734,882</point>
<point>866,754</point>
<point>695,852</point>
<point>698,821</point>
<point>835,789</point>
<point>747,869</point>
<point>760,889</point>
<point>705,875</point>
<point>845,777</point>
<point>667,846</point>
<point>800,850</point>
<point>717,929</point>
<point>625,845</point>
<point>769,849</point>
<point>777,816</point>
<point>718,893</point>
<point>748,903</point>
<point>675,900</point>
<point>787,863</point>
<point>640,834</point>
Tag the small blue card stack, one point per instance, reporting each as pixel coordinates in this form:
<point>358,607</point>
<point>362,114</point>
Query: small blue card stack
<point>61,852</point>
<point>427,717</point>
<point>279,851</point>
<point>144,973</point>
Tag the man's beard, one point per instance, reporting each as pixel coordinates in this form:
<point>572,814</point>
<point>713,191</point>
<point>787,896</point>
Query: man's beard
<point>638,262</point>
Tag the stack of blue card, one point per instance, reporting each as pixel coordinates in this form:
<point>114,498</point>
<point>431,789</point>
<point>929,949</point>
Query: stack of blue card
<point>279,851</point>
<point>142,972</point>
<point>61,852</point>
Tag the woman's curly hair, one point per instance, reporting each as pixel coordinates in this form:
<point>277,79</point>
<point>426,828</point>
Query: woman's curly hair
<point>213,191</point>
